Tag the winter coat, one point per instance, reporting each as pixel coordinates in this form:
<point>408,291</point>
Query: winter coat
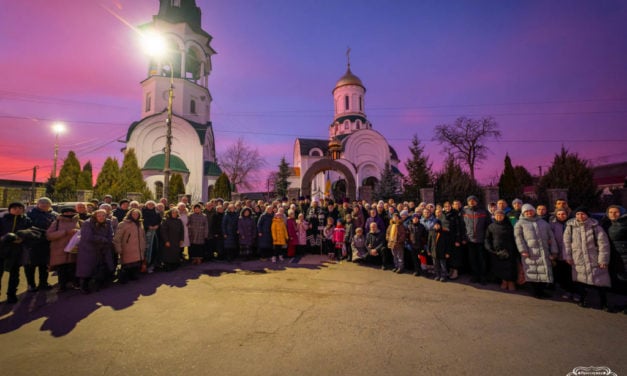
<point>198,228</point>
<point>534,236</point>
<point>417,236</point>
<point>39,247</point>
<point>315,217</point>
<point>617,233</point>
<point>185,219</point>
<point>151,218</point>
<point>291,231</point>
<point>439,244</point>
<point>452,222</point>
<point>377,220</point>
<point>428,222</point>
<point>375,241</point>
<point>247,231</point>
<point>349,228</point>
<point>12,253</point>
<point>476,222</point>
<point>229,229</point>
<point>215,224</point>
<point>558,231</point>
<point>587,246</point>
<point>395,236</point>
<point>501,245</point>
<point>338,234</point>
<point>264,229</point>
<point>172,231</point>
<point>59,236</point>
<point>301,231</point>
<point>358,246</point>
<point>279,231</point>
<point>130,242</point>
<point>95,248</point>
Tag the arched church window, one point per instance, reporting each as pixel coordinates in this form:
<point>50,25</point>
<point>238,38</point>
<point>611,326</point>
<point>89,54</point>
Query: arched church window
<point>148,101</point>
<point>346,125</point>
<point>361,103</point>
<point>358,124</point>
<point>346,102</point>
<point>158,189</point>
<point>192,106</point>
<point>176,3</point>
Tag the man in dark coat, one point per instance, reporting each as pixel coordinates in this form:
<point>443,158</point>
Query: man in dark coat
<point>476,221</point>
<point>12,246</point>
<point>229,229</point>
<point>121,210</point>
<point>41,217</point>
<point>264,230</point>
<point>215,230</point>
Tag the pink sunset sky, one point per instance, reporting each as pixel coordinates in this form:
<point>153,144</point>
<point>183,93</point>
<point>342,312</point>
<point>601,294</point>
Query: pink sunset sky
<point>551,73</point>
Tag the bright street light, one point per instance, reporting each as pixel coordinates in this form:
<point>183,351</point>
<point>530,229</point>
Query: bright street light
<point>57,128</point>
<point>155,45</point>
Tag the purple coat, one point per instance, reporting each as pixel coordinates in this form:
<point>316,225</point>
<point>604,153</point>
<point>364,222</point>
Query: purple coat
<point>95,248</point>
<point>247,231</point>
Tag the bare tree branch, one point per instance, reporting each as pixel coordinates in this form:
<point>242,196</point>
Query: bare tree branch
<point>239,161</point>
<point>465,139</point>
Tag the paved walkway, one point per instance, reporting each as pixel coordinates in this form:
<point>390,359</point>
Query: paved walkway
<point>305,318</point>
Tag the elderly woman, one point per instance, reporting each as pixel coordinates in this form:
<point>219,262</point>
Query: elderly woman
<point>562,270</point>
<point>247,231</point>
<point>501,245</point>
<point>198,229</point>
<point>95,258</point>
<point>59,235</point>
<point>536,244</point>
<point>172,233</point>
<point>130,245</point>
<point>587,250</point>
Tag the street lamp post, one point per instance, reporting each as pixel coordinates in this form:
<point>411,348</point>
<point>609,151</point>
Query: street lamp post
<point>57,128</point>
<point>156,46</point>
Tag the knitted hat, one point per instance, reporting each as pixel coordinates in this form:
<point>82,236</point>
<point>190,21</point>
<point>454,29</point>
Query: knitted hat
<point>68,209</point>
<point>472,197</point>
<point>527,207</point>
<point>499,211</point>
<point>16,204</point>
<point>404,213</point>
<point>582,209</point>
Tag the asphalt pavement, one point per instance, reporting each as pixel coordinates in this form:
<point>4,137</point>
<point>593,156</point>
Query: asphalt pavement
<point>308,317</point>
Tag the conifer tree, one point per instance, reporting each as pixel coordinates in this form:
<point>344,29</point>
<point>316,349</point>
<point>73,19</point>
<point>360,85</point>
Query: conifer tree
<point>573,173</point>
<point>131,178</point>
<point>281,183</point>
<point>85,179</point>
<point>453,183</point>
<point>222,188</point>
<point>108,180</point>
<point>67,182</point>
<point>418,171</point>
<point>388,185</point>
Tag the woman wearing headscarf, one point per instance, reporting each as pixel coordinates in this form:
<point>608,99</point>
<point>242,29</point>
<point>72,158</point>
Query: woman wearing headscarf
<point>198,232</point>
<point>130,244</point>
<point>95,256</point>
<point>562,270</point>
<point>536,244</point>
<point>501,245</point>
<point>173,235</point>
<point>247,232</point>
<point>587,250</point>
<point>59,235</point>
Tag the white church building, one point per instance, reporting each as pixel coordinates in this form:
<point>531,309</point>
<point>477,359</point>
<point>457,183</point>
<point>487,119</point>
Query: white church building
<point>189,62</point>
<point>350,162</point>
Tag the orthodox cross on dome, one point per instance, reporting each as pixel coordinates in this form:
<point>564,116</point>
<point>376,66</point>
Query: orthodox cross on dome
<point>348,57</point>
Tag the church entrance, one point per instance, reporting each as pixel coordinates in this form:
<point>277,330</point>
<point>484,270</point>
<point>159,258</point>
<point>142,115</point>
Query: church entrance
<point>346,187</point>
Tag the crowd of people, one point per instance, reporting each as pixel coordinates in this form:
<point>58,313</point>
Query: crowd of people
<point>89,245</point>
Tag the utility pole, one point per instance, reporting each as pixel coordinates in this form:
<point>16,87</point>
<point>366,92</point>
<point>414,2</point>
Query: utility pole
<point>32,194</point>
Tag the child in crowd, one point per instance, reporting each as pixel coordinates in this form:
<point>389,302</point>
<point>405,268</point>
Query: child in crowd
<point>438,245</point>
<point>338,240</point>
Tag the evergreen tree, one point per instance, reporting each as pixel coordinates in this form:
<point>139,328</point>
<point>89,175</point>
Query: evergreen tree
<point>222,188</point>
<point>509,188</point>
<point>281,183</point>
<point>573,173</point>
<point>131,177</point>
<point>418,171</point>
<point>177,187</point>
<point>453,183</point>
<point>388,185</point>
<point>67,182</point>
<point>108,180</point>
<point>85,179</point>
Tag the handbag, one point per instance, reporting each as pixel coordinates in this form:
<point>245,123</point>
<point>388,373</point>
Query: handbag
<point>72,245</point>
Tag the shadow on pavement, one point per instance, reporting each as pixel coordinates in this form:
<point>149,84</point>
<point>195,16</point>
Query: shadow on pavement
<point>63,311</point>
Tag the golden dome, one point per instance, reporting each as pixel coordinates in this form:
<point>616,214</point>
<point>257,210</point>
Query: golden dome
<point>349,79</point>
